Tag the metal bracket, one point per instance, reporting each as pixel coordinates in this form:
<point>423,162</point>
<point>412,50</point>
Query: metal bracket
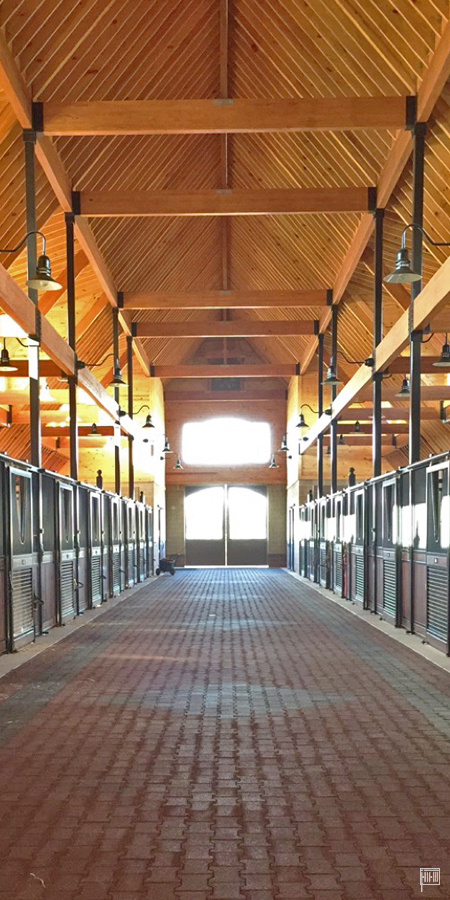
<point>152,370</point>
<point>410,113</point>
<point>120,299</point>
<point>329,297</point>
<point>134,329</point>
<point>297,368</point>
<point>371,199</point>
<point>76,203</point>
<point>37,117</point>
<point>29,136</point>
<point>316,326</point>
<point>69,218</point>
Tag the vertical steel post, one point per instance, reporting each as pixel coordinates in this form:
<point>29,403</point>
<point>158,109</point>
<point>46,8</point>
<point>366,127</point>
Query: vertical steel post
<point>377,378</point>
<point>71,340</point>
<point>416,287</point>
<point>334,424</point>
<point>320,411</point>
<point>115,330</point>
<point>130,413</point>
<point>29,137</point>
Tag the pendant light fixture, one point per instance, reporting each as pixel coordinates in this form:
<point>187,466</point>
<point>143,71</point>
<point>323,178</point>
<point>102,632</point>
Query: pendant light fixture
<point>301,422</point>
<point>341,442</point>
<point>444,361</point>
<point>273,464</point>
<point>117,380</point>
<point>405,389</point>
<point>178,465</point>
<point>166,448</point>
<point>331,377</point>
<point>357,428</point>
<point>403,273</point>
<point>94,429</point>
<point>394,440</point>
<point>284,447</point>
<point>42,279</point>
<point>6,365</point>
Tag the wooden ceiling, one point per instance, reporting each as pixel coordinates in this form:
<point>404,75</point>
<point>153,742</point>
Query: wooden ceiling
<point>210,50</point>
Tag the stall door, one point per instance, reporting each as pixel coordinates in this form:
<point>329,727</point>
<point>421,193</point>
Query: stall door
<point>205,526</point>
<point>437,597</point>
<point>22,587</point>
<point>95,549</point>
<point>115,545</point>
<point>246,526</point>
<point>66,552</point>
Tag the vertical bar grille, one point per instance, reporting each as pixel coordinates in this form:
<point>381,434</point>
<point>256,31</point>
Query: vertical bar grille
<point>437,602</point>
<point>359,577</point>
<point>67,606</point>
<point>22,601</point>
<point>390,586</point>
<point>131,572</point>
<point>116,571</point>
<point>96,579</point>
<point>323,565</point>
<point>338,569</point>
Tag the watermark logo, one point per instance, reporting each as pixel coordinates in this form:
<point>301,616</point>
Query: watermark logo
<point>429,876</point>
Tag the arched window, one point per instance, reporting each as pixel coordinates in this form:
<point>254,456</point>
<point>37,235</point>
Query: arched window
<point>226,442</point>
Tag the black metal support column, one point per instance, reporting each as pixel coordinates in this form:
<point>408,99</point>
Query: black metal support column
<point>334,424</point>
<point>115,327</point>
<point>377,378</point>
<point>33,349</point>
<point>71,340</point>
<point>130,413</point>
<point>416,287</point>
<point>320,411</point>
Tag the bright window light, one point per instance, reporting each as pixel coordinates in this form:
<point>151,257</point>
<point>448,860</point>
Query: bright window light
<point>247,514</point>
<point>204,515</point>
<point>226,442</point>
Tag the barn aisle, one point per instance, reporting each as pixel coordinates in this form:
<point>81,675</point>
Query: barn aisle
<point>224,735</point>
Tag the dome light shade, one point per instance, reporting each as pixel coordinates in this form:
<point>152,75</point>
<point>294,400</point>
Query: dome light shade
<point>405,389</point>
<point>117,379</point>
<point>273,464</point>
<point>94,429</point>
<point>301,422</point>
<point>166,448</point>
<point>402,273</point>
<point>148,422</point>
<point>42,279</point>
<point>341,442</point>
<point>284,447</point>
<point>178,465</point>
<point>357,428</point>
<point>444,361</point>
<point>6,365</point>
<point>331,377</point>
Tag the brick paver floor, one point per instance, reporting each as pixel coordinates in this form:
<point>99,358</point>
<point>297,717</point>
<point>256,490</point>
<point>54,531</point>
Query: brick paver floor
<point>224,735</point>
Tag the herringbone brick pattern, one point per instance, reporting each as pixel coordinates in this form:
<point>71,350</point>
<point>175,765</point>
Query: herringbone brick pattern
<point>224,735</point>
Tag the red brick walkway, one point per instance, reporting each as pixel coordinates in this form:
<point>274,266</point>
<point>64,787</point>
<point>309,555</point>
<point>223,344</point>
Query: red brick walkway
<point>224,736</point>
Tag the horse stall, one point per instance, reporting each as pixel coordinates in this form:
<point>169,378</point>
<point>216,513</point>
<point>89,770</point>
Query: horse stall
<point>312,566</point>
<point>336,525</point>
<point>304,535</point>
<point>141,544</point>
<point>116,544</point>
<point>355,536</point>
<point>95,548</point>
<point>324,510</point>
<point>4,573</point>
<point>23,601</point>
<point>149,539</point>
<point>433,604</point>
<point>387,550</point>
<point>130,543</point>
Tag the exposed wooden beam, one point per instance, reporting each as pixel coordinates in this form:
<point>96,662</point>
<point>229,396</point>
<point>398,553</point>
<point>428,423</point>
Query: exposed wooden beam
<point>435,76</point>
<point>366,428</point>
<point>241,396</point>
<point>83,430</point>
<point>401,365</point>
<point>219,116</point>
<point>266,370</point>
<point>428,304</point>
<point>234,328</point>
<point>389,414</point>
<point>428,392</point>
<point>224,299</point>
<point>225,202</point>
<point>4,417</point>
<point>19,97</point>
<point>47,368</point>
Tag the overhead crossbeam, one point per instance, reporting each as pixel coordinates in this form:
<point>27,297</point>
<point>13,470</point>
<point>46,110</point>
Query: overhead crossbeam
<point>224,299</point>
<point>239,116</point>
<point>234,328</point>
<point>226,371</point>
<point>225,202</point>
